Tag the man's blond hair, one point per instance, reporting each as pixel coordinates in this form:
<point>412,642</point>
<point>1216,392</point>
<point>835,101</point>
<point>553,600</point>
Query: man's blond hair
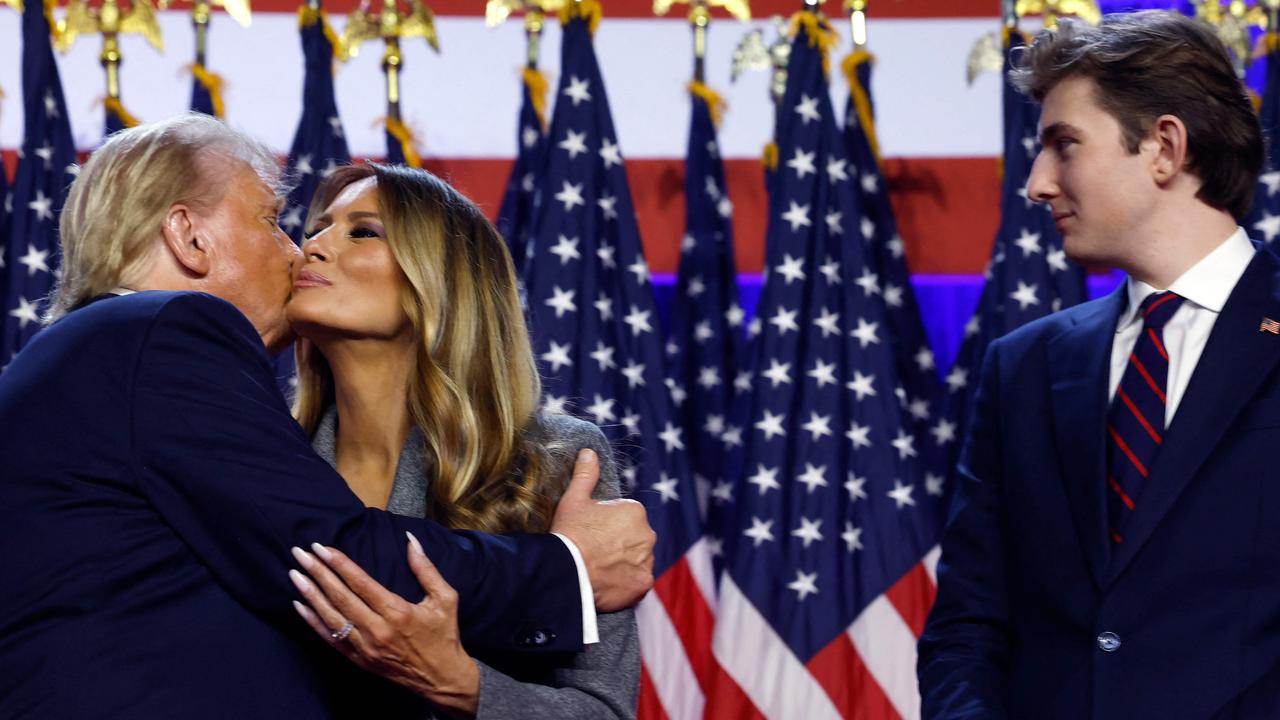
<point>111,222</point>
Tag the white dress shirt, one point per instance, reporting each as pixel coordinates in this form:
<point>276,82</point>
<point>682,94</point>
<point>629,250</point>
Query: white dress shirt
<point>1205,287</point>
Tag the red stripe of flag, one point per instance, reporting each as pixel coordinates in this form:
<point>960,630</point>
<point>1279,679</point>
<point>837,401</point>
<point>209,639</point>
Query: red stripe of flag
<point>726,699</point>
<point>691,616</point>
<point>912,596</point>
<point>840,671</point>
<point>649,707</point>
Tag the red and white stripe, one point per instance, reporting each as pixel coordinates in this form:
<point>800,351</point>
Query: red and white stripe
<point>868,672</point>
<point>939,136</point>
<point>676,622</point>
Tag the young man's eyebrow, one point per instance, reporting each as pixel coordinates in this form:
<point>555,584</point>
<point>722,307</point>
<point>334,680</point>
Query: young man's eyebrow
<point>1051,133</point>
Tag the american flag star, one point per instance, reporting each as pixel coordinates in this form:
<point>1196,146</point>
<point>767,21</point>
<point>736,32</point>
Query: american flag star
<point>793,597</point>
<point>611,362</point>
<point>30,245</point>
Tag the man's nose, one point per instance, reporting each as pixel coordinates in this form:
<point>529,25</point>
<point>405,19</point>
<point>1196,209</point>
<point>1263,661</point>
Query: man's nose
<point>1040,184</point>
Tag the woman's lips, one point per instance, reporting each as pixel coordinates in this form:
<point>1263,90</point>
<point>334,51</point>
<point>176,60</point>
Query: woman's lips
<point>306,278</point>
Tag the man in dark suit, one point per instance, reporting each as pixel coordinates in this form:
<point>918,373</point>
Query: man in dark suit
<point>1113,551</point>
<point>154,482</point>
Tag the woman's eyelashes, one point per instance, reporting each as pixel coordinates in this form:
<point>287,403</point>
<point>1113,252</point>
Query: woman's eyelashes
<point>361,233</point>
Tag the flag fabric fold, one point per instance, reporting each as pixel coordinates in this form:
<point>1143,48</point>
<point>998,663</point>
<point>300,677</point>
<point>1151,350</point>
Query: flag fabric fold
<point>595,332</point>
<point>706,333</point>
<point>45,170</point>
<point>515,216</point>
<point>917,368</point>
<point>1027,277</point>
<point>319,143</point>
<point>1263,220</point>
<point>829,570</point>
<point>206,91</point>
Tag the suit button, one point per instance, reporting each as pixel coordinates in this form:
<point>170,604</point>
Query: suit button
<point>1108,642</point>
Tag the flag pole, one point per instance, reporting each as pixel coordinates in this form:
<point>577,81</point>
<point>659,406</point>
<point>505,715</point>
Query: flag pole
<point>109,21</point>
<point>857,22</point>
<point>534,19</point>
<point>390,26</point>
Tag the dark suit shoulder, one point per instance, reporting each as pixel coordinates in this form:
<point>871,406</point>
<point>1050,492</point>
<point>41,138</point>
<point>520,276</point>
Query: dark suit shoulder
<point>1037,332</point>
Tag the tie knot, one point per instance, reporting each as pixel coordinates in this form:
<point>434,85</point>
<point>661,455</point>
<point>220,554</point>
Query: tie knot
<point>1159,307</point>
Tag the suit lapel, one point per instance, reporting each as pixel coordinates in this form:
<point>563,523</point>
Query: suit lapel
<point>1235,361</point>
<point>1079,366</point>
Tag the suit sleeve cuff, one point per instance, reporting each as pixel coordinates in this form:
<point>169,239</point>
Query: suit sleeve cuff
<point>590,633</point>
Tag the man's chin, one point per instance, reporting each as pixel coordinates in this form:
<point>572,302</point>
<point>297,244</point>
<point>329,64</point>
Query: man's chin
<point>1086,254</point>
<point>279,339</point>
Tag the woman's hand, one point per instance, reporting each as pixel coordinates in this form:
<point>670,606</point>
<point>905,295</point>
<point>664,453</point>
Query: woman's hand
<point>416,646</point>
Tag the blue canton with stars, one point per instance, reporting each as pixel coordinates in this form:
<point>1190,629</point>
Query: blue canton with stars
<point>1028,275</point>
<point>705,339</point>
<point>591,306</point>
<point>917,371</point>
<point>515,217</point>
<point>45,171</point>
<point>319,144</point>
<point>833,510</point>
<point>1263,220</point>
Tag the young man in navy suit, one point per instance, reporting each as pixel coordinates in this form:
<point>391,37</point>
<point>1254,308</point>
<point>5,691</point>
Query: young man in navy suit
<point>1114,550</point>
<point>154,482</point>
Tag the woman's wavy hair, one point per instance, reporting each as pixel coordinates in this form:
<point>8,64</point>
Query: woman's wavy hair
<point>475,387</point>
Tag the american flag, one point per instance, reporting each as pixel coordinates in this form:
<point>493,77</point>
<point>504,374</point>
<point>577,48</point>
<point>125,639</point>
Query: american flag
<point>705,337</point>
<point>594,328</point>
<point>201,100</point>
<point>319,144</point>
<point>1263,219</point>
<point>1028,275</point>
<point>917,369</point>
<point>515,217</point>
<point>45,171</point>
<point>830,571</point>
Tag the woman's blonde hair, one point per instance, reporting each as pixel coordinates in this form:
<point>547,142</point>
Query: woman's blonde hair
<point>475,387</point>
<point>117,203</point>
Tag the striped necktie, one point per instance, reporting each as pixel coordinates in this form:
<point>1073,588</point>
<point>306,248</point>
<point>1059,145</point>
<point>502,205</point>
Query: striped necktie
<point>1135,425</point>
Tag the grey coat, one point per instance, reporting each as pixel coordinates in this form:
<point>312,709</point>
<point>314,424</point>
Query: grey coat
<point>600,682</point>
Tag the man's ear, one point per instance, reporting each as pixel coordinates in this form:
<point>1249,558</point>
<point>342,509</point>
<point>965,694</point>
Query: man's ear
<point>1169,137</point>
<point>183,239</point>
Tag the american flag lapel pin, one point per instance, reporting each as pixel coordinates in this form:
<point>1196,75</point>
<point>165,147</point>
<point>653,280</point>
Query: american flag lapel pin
<point>1270,326</point>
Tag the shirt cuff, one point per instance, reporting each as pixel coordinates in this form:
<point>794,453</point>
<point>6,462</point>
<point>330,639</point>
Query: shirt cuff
<point>590,633</point>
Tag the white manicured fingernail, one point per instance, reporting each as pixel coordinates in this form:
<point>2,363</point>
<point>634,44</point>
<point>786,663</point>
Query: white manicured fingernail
<point>413,542</point>
<point>300,581</point>
<point>322,551</point>
<point>302,556</point>
<point>302,610</point>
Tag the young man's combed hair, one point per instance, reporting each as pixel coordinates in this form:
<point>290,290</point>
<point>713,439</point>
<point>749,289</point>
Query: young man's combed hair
<point>1154,63</point>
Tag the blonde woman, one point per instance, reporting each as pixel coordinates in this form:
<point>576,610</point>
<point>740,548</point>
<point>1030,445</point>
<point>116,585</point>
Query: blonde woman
<point>418,383</point>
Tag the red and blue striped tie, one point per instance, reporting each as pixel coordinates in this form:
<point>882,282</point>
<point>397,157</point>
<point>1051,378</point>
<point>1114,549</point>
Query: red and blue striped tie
<point>1135,426</point>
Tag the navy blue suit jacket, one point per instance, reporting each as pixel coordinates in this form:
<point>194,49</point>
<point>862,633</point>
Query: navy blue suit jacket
<point>152,483</point>
<point>1028,579</point>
